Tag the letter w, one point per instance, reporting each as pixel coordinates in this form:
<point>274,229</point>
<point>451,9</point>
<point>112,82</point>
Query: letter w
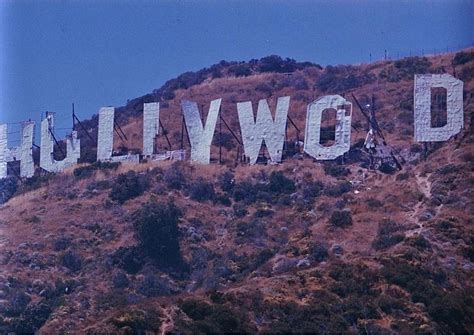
<point>264,128</point>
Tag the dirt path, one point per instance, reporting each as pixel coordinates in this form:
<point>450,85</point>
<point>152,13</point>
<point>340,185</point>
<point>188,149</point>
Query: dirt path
<point>424,185</point>
<point>169,314</point>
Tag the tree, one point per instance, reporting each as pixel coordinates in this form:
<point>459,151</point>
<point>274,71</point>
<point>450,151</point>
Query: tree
<point>156,228</point>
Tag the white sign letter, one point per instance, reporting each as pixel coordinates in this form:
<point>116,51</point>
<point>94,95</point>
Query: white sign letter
<point>312,145</point>
<point>422,107</point>
<point>151,126</point>
<point>24,153</point>
<point>199,136</point>
<point>73,147</point>
<point>264,128</point>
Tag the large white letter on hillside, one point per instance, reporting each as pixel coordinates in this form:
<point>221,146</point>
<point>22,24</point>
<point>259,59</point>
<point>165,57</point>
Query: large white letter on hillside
<point>199,136</point>
<point>73,147</point>
<point>312,145</point>
<point>105,135</point>
<point>264,128</point>
<point>151,126</point>
<point>24,153</point>
<point>422,107</point>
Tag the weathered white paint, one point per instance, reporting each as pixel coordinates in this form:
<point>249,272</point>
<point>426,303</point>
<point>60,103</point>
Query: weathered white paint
<point>3,150</point>
<point>105,135</point>
<point>27,166</point>
<point>24,153</point>
<point>422,107</point>
<point>73,147</point>
<point>151,126</point>
<point>312,145</point>
<point>264,128</point>
<point>200,136</point>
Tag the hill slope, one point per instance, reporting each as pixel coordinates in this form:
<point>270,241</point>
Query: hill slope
<point>300,246</point>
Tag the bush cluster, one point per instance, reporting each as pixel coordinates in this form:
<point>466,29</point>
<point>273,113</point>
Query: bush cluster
<point>174,176</point>
<point>202,190</point>
<point>318,251</point>
<point>336,190</point>
<point>227,181</point>
<point>87,170</point>
<point>388,235</point>
<point>128,186</point>
<point>342,78</point>
<point>156,229</point>
<point>71,260</point>
<point>140,321</point>
<point>276,187</point>
<point>453,311</point>
<point>405,69</point>
<point>463,57</point>
<point>8,187</point>
<point>341,219</point>
<point>217,319</point>
<point>336,170</point>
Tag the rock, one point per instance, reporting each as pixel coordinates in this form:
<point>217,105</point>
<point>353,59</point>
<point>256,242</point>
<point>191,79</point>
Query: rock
<point>303,263</point>
<point>337,249</point>
<point>283,264</point>
<point>425,216</point>
<point>468,267</point>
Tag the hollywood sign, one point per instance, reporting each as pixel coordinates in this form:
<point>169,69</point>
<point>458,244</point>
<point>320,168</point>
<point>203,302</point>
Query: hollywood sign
<point>254,130</point>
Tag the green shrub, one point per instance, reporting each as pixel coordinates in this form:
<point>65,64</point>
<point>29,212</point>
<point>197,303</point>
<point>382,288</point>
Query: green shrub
<point>463,57</point>
<point>245,192</point>
<point>388,235</point>
<point>279,183</point>
<point>312,189</point>
<point>374,203</point>
<point>87,170</point>
<point>318,317</point>
<point>36,182</point>
<point>388,168</point>
<point>223,200</point>
<point>174,176</point>
<point>336,170</point>
<point>405,69</point>
<point>342,78</point>
<point>240,70</point>
<point>131,259</point>
<point>467,73</point>
<point>156,228</point>
<point>202,190</point>
<point>275,63</point>
<point>71,260</point>
<point>138,321</point>
<point>247,231</point>
<point>341,219</point>
<point>420,242</point>
<point>8,187</point>
<point>336,190</point>
<point>227,181</point>
<point>452,311</point>
<point>318,251</point>
<point>207,318</point>
<point>128,186</point>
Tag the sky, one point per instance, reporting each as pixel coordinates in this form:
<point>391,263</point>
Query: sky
<point>101,53</point>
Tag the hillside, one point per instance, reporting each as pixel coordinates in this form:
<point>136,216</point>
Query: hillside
<point>302,246</point>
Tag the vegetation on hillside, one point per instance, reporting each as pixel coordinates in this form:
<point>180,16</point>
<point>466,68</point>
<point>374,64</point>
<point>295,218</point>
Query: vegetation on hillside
<point>302,246</point>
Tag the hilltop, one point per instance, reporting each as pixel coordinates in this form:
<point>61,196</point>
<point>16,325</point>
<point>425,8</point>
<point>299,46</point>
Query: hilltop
<point>300,246</point>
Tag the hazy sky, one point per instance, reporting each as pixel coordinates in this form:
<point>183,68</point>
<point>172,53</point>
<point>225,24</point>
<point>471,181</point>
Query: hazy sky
<point>100,53</point>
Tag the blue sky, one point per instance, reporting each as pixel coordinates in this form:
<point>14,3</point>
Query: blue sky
<point>100,53</point>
